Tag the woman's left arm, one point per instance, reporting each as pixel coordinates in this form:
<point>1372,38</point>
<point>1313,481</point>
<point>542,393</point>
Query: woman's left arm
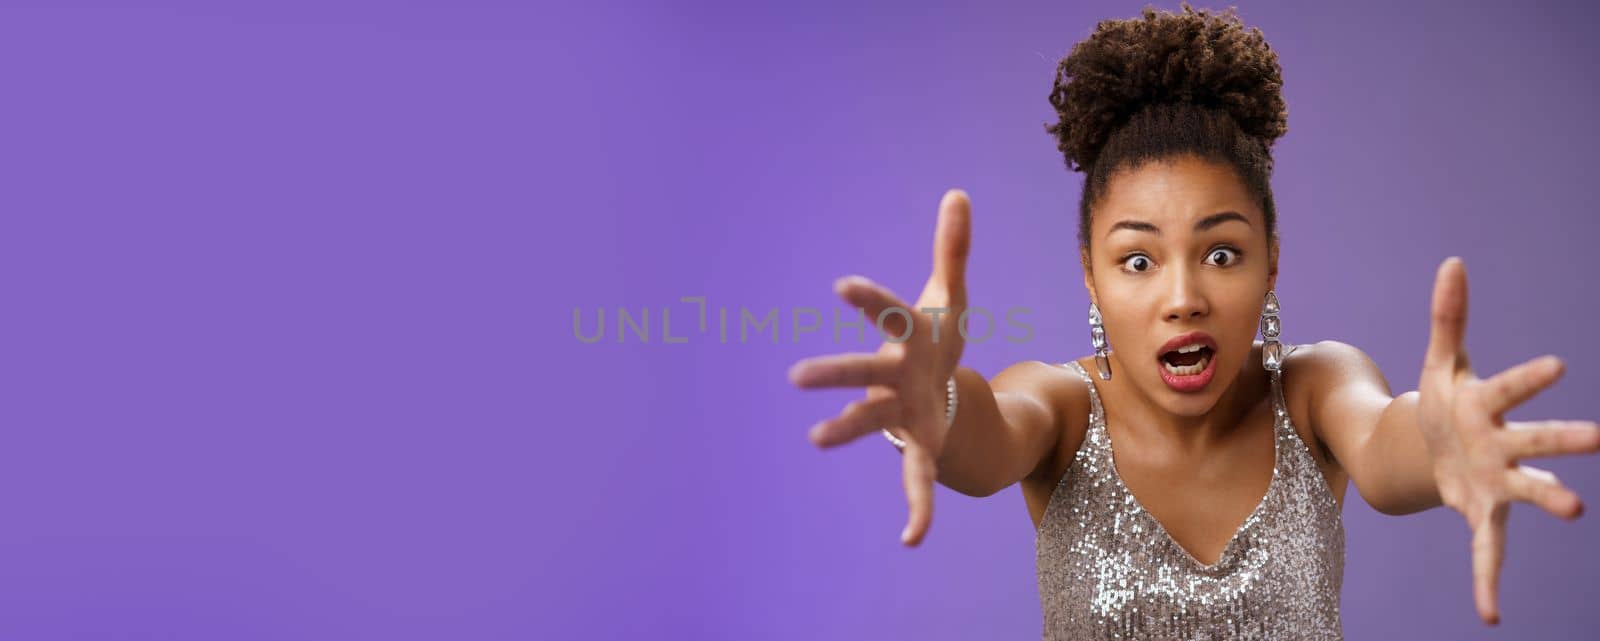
<point>1448,442</point>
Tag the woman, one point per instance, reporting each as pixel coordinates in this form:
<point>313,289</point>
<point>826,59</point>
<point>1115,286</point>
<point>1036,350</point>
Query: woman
<point>1219,516</point>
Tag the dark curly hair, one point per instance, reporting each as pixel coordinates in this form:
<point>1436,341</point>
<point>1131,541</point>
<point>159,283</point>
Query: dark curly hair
<point>1164,85</point>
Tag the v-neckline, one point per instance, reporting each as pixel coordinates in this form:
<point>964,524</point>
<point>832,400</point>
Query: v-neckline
<point>1272,486</point>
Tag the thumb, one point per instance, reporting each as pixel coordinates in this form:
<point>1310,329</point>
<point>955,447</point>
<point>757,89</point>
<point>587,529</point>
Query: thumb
<point>1449,315</point>
<point>951,244</point>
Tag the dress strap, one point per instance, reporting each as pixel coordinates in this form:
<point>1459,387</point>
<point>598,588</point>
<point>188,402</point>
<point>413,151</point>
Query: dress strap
<point>1280,407</point>
<point>1097,413</point>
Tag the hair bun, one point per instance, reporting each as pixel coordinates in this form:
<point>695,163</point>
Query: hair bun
<point>1209,59</point>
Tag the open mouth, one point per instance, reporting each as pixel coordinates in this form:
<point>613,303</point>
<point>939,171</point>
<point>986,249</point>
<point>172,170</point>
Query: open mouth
<point>1187,361</point>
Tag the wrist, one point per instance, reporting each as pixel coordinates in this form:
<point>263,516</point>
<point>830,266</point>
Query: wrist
<point>952,401</point>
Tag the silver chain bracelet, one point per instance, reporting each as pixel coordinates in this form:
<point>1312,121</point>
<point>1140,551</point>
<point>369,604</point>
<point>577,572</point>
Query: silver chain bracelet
<point>949,412</point>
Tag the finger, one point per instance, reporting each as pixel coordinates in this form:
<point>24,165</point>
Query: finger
<point>952,243</point>
<point>1540,487</point>
<point>1550,438</point>
<point>1449,315</point>
<point>857,369</point>
<point>1515,386</point>
<point>856,420</point>
<point>920,469</point>
<point>1488,546</point>
<point>881,305</point>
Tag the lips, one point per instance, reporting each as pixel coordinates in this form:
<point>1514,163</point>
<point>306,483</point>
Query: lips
<point>1190,338</point>
<point>1183,378</point>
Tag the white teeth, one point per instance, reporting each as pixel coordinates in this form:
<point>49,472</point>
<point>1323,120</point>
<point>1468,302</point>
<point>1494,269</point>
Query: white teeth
<point>1190,370</point>
<point>1187,349</point>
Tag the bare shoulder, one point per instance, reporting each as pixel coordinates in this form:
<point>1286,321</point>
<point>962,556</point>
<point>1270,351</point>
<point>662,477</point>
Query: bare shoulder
<point>1316,375</point>
<point>1060,391</point>
<point>1329,365</point>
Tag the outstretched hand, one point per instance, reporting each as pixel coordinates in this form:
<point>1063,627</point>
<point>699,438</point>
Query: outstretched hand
<point>905,378</point>
<point>1475,451</point>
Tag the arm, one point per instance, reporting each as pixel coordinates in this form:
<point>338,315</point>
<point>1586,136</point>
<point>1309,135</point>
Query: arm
<point>1452,430</point>
<point>1000,432</point>
<point>1003,430</point>
<point>1371,433</point>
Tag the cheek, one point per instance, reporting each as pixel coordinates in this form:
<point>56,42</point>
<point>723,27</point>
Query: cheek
<point>1243,316</point>
<point>1129,318</point>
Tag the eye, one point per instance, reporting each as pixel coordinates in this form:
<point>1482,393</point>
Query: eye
<point>1137,263</point>
<point>1223,256</point>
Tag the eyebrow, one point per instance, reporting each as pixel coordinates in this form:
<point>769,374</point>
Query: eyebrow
<point>1203,224</point>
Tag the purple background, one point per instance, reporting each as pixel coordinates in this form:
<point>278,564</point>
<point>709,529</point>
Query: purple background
<point>289,292</point>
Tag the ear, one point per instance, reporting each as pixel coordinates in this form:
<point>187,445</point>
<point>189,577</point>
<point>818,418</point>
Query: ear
<point>1272,263</point>
<point>1088,274</point>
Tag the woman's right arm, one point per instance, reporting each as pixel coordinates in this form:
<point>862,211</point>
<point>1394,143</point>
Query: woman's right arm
<point>1000,432</point>
<point>1004,430</point>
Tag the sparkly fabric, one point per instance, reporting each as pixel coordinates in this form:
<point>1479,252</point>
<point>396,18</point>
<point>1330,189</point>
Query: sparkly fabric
<point>1109,570</point>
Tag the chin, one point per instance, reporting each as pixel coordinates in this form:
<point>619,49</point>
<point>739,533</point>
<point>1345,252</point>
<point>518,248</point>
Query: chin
<point>1188,405</point>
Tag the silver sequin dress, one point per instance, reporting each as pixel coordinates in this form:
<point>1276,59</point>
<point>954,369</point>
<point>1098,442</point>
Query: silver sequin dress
<point>1109,570</point>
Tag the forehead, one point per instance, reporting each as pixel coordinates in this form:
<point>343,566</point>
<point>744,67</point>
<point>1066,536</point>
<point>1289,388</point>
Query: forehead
<point>1173,193</point>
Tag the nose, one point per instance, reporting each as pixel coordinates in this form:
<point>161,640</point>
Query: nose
<point>1185,298</point>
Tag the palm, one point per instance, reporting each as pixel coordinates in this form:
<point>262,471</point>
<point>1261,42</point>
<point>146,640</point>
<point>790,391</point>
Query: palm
<point>1475,450</point>
<point>905,378</point>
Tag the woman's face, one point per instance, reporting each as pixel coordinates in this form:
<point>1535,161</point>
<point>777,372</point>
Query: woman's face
<point>1179,248</point>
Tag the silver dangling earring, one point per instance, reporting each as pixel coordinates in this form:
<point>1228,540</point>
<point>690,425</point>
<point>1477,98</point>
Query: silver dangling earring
<point>1097,336</point>
<point>1271,349</point>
